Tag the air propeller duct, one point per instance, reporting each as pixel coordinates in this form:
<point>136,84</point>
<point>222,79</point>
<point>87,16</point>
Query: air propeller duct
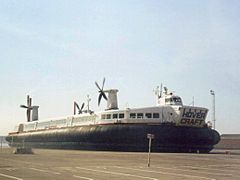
<point>112,96</point>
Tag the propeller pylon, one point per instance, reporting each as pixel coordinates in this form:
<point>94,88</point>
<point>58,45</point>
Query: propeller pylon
<point>28,107</point>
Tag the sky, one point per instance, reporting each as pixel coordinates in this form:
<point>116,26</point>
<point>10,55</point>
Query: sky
<point>55,51</point>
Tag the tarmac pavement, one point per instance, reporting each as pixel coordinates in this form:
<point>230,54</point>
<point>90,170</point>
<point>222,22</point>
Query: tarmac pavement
<point>102,165</point>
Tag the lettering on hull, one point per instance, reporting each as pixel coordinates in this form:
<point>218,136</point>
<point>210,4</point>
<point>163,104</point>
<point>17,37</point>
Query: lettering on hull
<point>192,122</point>
<point>192,117</point>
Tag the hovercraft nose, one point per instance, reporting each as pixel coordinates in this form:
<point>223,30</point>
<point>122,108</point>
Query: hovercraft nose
<point>216,137</point>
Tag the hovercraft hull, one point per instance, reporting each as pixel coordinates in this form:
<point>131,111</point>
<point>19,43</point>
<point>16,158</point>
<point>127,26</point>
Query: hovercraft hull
<point>120,137</point>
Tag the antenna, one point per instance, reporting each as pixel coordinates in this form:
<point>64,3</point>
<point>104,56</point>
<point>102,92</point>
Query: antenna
<point>157,91</point>
<point>88,100</point>
<point>192,103</point>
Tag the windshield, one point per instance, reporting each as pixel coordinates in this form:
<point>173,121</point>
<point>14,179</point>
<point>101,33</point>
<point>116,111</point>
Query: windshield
<point>177,100</point>
<point>174,101</point>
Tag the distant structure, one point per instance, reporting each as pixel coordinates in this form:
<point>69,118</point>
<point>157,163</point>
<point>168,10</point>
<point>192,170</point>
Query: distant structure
<point>213,108</point>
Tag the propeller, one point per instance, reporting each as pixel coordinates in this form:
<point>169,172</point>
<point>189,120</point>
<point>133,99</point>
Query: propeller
<point>80,110</point>
<point>28,107</point>
<point>102,94</point>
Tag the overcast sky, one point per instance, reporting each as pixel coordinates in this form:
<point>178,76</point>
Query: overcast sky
<point>56,50</point>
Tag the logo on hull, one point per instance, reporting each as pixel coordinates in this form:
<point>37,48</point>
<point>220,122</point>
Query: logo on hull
<point>193,117</point>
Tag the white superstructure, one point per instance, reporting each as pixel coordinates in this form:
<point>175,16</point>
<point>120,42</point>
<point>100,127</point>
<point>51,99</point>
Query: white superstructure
<point>169,110</point>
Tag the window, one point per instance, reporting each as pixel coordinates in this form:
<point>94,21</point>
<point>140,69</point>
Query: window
<point>115,116</point>
<point>140,115</point>
<point>155,115</point>
<point>148,115</point>
<point>108,116</point>
<point>43,125</point>
<point>177,100</point>
<point>121,116</point>
<point>103,116</point>
<point>132,115</point>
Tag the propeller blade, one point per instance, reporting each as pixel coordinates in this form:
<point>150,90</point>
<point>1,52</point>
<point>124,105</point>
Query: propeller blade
<point>74,107</point>
<point>97,86</point>
<point>82,106</point>
<point>23,106</point>
<point>99,98</point>
<point>103,83</point>
<point>104,95</point>
<point>28,115</point>
<point>101,92</point>
<point>76,104</point>
<point>28,100</point>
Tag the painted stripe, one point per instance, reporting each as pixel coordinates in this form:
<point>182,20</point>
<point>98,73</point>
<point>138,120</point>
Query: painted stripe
<point>117,173</point>
<point>195,170</point>
<point>20,161</point>
<point>211,169</point>
<point>46,171</point>
<point>226,165</point>
<point>81,177</point>
<point>11,177</point>
<point>83,125</point>
<point>166,173</point>
<point>219,165</point>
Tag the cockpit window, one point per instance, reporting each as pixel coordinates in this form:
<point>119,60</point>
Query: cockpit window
<point>173,100</point>
<point>178,100</point>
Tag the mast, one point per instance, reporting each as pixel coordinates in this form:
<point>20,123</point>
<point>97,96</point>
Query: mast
<point>88,100</point>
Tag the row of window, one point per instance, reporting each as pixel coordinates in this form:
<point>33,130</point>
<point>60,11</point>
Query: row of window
<point>55,123</point>
<point>132,115</point>
<point>112,116</point>
<point>62,122</point>
<point>147,115</point>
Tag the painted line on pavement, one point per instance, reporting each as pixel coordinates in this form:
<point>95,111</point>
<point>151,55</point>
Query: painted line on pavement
<point>10,177</point>
<point>21,162</point>
<point>210,169</point>
<point>194,170</point>
<point>224,165</point>
<point>81,177</point>
<point>46,171</point>
<point>166,173</point>
<point>117,173</point>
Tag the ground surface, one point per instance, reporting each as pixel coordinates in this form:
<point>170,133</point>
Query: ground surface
<point>89,165</point>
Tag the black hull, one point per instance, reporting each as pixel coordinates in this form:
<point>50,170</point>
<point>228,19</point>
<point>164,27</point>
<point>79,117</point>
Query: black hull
<point>120,137</point>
